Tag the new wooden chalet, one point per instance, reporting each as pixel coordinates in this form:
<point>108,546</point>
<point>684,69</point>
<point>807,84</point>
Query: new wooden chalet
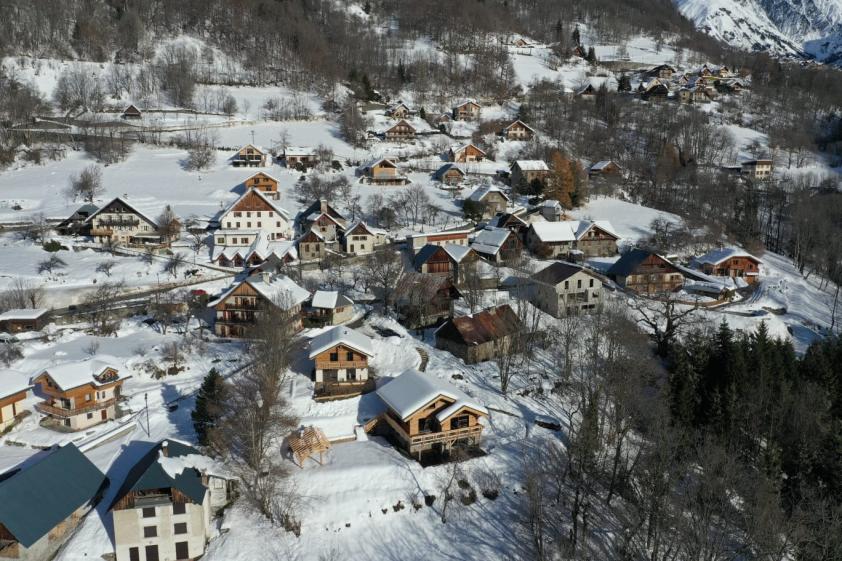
<point>449,260</point>
<point>14,387</point>
<point>384,172</point>
<point>481,336</point>
<point>526,171</point>
<point>362,239</point>
<point>340,361</point>
<point>564,289</point>
<point>468,110</point>
<point>491,199</point>
<point>561,239</point>
<point>730,262</point>
<point>80,394</point>
<point>646,273</point>
<point>20,320</point>
<point>165,507</point>
<point>465,153</point>
<point>42,502</point>
<point>329,307</point>
<point>300,157</point>
<point>238,308</point>
<point>518,130</point>
<point>265,183</point>
<point>450,174</point>
<point>400,132</point>
<point>426,414</point>
<point>497,244</point>
<point>121,223</point>
<point>250,156</point>
<point>445,237</point>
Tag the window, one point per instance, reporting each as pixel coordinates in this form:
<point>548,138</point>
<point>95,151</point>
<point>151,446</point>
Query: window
<point>460,422</point>
<point>179,508</point>
<point>220,240</point>
<point>238,214</point>
<point>590,284</point>
<point>134,554</point>
<point>248,215</point>
<point>579,283</point>
<point>426,424</point>
<point>351,374</point>
<point>248,224</point>
<point>181,551</point>
<point>238,224</point>
<point>349,356</point>
<point>271,214</point>
<point>334,357</point>
<point>90,415</point>
<point>151,553</point>
<point>278,223</point>
<point>180,528</point>
<point>258,223</point>
<point>566,285</point>
<point>149,512</point>
<point>150,531</point>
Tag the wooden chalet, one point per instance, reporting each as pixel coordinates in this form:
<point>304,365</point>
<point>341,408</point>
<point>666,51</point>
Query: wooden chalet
<point>664,71</point>
<point>512,222</point>
<point>497,244</point>
<point>250,156</point>
<point>517,130</point>
<point>468,110</point>
<point>479,337</point>
<point>466,153</point>
<point>131,112</point>
<point>384,172</point>
<point>164,509</point>
<point>605,168</point>
<point>20,320</point>
<point>43,500</point>
<point>121,223</point>
<point>425,300</point>
<point>656,91</point>
<point>448,260</point>
<point>238,309</point>
<point>400,132</point>
<point>300,157</point>
<point>340,361</point>
<point>527,171</point>
<point>14,387</point>
<point>76,224</point>
<point>424,414</point>
<point>646,273</point>
<point>79,395</point>
<point>399,110</point>
<point>730,262</point>
<point>450,174</point>
<point>321,217</point>
<point>561,239</point>
<point>265,183</point>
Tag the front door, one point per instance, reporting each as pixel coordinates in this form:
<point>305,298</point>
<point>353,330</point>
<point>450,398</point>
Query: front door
<point>104,414</point>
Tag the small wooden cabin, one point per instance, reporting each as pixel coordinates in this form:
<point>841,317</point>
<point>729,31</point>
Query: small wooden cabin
<point>340,361</point>
<point>450,174</point>
<point>20,320</point>
<point>466,153</point>
<point>731,262</point>
<point>250,156</point>
<point>468,110</point>
<point>517,130</point>
<point>384,172</point>
<point>131,112</point>
<point>264,183</point>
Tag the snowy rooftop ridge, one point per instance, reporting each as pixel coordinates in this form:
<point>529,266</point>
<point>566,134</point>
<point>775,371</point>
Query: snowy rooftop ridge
<point>531,165</point>
<point>717,256</point>
<point>481,192</point>
<point>12,382</point>
<point>279,290</point>
<point>410,391</point>
<point>490,240</point>
<point>71,375</point>
<point>28,313</point>
<point>340,335</point>
<point>569,230</point>
<point>330,299</point>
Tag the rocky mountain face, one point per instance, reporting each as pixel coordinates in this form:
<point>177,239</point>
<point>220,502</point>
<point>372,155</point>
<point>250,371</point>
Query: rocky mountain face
<point>793,28</point>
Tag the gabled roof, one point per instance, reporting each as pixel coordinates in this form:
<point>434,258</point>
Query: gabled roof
<point>149,474</point>
<point>717,256</point>
<point>258,193</point>
<point>378,161</point>
<point>272,177</point>
<point>466,102</point>
<point>483,327</point>
<point>258,148</point>
<point>490,240</point>
<point>330,299</point>
<point>71,375</point>
<point>455,252</point>
<point>602,164</point>
<point>412,390</point>
<point>569,230</point>
<point>318,207</point>
<point>518,122</point>
<point>503,220</point>
<point>558,272</point>
<point>299,151</point>
<point>446,168</point>
<point>629,262</point>
<point>35,499</point>
<point>340,335</point>
<point>12,382</point>
<point>463,147</point>
<point>481,192</point>
<point>104,207</point>
<point>23,314</point>
<point>399,123</point>
<point>370,229</point>
<point>530,165</point>
<point>280,291</point>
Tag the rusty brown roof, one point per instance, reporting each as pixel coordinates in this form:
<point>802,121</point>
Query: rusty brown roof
<point>487,325</point>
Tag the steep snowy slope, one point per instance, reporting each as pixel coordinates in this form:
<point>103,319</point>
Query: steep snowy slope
<point>782,27</point>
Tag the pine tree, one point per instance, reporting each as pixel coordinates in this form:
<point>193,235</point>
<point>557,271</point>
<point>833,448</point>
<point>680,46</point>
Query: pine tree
<point>591,55</point>
<point>576,36</point>
<point>624,84</point>
<point>209,405</point>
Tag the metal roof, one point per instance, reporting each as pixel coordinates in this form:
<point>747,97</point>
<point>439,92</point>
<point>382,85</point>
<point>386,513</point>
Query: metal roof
<point>487,325</point>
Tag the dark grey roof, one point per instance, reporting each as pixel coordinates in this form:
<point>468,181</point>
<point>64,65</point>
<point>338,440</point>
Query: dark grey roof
<point>557,272</point>
<point>628,263</point>
<point>425,253</point>
<point>447,167</point>
<point>36,498</point>
<point>148,474</point>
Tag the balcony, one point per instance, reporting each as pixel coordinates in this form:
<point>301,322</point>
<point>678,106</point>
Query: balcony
<point>236,319</point>
<point>251,306</point>
<point>425,438</point>
<point>118,223</point>
<point>54,411</point>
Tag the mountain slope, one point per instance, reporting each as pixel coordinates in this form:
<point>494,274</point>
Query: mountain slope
<point>794,28</point>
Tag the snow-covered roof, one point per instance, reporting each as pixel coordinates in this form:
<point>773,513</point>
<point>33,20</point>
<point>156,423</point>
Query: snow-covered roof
<point>258,148</point>
<point>462,147</point>
<point>569,230</point>
<point>263,173</point>
<point>481,192</point>
<point>260,194</point>
<point>71,375</point>
<point>410,391</point>
<point>377,161</point>
<point>490,240</point>
<point>717,256</point>
<point>12,382</point>
<point>330,299</point>
<point>262,247</point>
<point>551,203</point>
<point>518,122</point>
<point>466,102</point>
<point>372,229</point>
<point>23,314</point>
<point>457,252</point>
<point>149,219</point>
<point>531,165</point>
<point>601,165</point>
<point>340,335</point>
<point>280,290</point>
<point>299,151</point>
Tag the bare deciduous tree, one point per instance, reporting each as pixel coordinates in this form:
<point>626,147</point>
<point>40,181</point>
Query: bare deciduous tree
<point>87,185</point>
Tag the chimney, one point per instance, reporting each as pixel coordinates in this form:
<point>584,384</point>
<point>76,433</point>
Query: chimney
<point>165,451</point>
<point>301,432</point>
<point>267,276</point>
<point>322,205</point>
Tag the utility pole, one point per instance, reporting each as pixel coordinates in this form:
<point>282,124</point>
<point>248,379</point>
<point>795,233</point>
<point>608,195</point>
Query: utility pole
<point>146,399</point>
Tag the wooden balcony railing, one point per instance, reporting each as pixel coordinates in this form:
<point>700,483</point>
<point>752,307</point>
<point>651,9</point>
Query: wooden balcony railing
<point>431,437</point>
<point>48,409</point>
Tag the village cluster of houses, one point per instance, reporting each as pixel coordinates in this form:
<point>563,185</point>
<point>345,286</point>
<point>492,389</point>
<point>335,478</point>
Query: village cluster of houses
<point>699,86</point>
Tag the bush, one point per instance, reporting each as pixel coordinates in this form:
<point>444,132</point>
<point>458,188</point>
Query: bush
<point>53,246</point>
